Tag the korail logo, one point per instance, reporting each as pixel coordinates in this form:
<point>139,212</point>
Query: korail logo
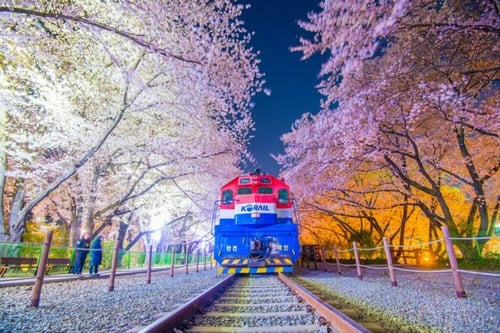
<point>254,208</point>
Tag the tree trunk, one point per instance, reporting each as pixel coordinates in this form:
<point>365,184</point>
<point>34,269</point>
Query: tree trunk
<point>3,169</point>
<point>105,224</point>
<point>122,233</point>
<point>76,224</point>
<point>477,184</point>
<point>17,225</point>
<point>89,221</point>
<point>17,221</point>
<point>402,230</point>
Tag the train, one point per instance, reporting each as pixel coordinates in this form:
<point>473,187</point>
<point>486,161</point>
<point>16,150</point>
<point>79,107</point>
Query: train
<point>255,226</point>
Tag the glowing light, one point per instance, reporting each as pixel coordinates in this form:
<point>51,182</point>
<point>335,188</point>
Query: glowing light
<point>156,235</point>
<point>159,219</point>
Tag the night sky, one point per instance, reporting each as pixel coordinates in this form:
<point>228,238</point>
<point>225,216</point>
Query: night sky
<point>291,81</point>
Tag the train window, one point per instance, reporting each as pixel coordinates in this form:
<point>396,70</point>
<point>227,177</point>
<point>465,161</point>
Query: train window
<point>244,180</point>
<point>245,190</point>
<point>265,190</point>
<point>227,197</point>
<point>265,180</point>
<point>283,196</point>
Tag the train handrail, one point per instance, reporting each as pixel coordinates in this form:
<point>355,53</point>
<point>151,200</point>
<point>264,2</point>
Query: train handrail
<point>214,214</point>
<point>296,213</point>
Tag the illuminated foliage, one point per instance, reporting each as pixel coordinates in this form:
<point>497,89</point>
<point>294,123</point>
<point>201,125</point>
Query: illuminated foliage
<point>121,106</point>
<point>410,88</point>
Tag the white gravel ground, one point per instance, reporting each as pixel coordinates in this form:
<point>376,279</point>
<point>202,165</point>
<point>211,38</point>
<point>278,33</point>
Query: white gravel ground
<point>429,299</point>
<point>86,305</point>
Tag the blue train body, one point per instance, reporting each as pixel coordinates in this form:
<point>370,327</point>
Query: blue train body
<point>255,230</point>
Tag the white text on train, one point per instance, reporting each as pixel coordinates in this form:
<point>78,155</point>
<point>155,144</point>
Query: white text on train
<point>255,208</point>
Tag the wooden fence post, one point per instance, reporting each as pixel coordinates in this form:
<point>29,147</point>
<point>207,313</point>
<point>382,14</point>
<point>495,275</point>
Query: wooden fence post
<point>453,263</point>
<point>150,260</point>
<point>388,255</point>
<point>37,287</point>
<point>335,250</point>
<point>114,264</point>
<point>356,257</point>
<point>197,260</point>
<point>210,255</point>
<point>172,267</point>
<point>186,258</point>
<point>204,259</point>
<point>323,258</point>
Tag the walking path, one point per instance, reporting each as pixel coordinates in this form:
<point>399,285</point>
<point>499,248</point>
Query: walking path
<point>27,280</point>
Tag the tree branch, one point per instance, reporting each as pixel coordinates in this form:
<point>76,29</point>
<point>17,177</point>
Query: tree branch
<point>84,21</point>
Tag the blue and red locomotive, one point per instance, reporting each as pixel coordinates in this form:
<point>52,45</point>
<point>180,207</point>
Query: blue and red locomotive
<point>254,230</point>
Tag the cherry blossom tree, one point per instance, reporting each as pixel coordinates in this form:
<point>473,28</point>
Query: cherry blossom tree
<point>409,87</point>
<point>125,94</point>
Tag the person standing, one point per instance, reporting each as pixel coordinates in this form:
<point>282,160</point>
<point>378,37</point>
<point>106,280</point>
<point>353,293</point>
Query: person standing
<point>95,256</point>
<point>82,249</point>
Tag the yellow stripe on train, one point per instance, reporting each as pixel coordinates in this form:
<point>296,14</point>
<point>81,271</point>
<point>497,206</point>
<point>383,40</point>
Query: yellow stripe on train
<point>254,270</point>
<point>279,261</point>
<point>235,261</point>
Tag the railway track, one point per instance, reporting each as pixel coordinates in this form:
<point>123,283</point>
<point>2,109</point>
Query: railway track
<point>261,303</point>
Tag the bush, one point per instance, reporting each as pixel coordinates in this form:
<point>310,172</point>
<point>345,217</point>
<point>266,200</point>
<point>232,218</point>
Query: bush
<point>487,264</point>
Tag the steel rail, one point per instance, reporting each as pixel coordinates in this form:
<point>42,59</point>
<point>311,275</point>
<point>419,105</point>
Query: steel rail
<point>171,320</point>
<point>339,322</point>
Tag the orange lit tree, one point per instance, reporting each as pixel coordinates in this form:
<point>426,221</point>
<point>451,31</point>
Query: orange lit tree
<point>411,88</point>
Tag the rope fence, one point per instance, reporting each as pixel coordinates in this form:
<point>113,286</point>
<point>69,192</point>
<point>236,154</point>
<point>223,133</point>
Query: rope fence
<point>38,256</point>
<point>388,254</point>
<point>125,259</point>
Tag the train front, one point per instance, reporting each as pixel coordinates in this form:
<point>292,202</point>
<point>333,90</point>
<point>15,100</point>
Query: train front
<point>254,228</point>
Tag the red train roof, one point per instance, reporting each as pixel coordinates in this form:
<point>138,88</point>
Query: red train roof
<point>255,179</point>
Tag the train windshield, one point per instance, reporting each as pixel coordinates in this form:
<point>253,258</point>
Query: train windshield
<point>227,197</point>
<point>265,190</point>
<point>244,190</point>
<point>283,196</point>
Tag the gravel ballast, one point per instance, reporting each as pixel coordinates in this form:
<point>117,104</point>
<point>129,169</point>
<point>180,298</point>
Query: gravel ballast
<point>86,305</point>
<point>422,301</point>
